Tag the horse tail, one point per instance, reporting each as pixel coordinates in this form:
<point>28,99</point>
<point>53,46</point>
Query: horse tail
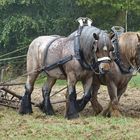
<point>33,57</point>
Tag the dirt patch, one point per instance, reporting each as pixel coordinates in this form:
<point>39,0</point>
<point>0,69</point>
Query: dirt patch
<point>129,103</point>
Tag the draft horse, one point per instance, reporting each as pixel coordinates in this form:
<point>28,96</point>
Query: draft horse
<point>126,62</point>
<point>73,58</point>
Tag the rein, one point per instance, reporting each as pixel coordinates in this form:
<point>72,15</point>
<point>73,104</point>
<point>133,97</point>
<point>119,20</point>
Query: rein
<point>58,63</point>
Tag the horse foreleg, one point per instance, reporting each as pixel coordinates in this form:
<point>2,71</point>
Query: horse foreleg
<point>113,107</point>
<point>25,106</point>
<point>81,103</point>
<point>71,111</point>
<point>121,91</point>
<point>46,106</point>
<point>97,108</point>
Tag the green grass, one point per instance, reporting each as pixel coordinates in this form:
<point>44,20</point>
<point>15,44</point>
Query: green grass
<point>41,80</point>
<point>41,127</point>
<point>38,126</point>
<point>135,81</point>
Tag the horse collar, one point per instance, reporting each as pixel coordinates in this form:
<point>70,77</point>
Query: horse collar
<point>118,60</point>
<point>78,51</point>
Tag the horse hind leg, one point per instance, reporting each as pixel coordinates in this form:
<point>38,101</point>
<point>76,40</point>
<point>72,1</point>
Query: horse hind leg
<point>25,106</point>
<point>46,106</point>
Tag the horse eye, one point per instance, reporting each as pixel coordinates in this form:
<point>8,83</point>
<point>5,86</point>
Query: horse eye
<point>111,49</point>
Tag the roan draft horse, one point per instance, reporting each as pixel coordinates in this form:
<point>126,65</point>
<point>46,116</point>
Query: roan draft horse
<point>73,58</point>
<point>127,61</point>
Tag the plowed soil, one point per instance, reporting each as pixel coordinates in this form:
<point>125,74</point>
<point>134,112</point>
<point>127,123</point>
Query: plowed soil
<point>129,103</point>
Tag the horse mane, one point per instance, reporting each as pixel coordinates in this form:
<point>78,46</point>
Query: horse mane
<point>128,42</point>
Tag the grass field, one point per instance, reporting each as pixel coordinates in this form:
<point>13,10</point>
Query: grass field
<point>38,126</point>
<point>135,81</point>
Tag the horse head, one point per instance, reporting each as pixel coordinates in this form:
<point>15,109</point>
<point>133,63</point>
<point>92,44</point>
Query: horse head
<point>102,49</point>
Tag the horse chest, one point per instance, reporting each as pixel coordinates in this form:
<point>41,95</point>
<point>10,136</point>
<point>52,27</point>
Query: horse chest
<point>83,74</point>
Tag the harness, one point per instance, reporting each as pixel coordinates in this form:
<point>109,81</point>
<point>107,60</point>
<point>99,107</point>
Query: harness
<point>117,30</point>
<point>78,54</point>
<point>58,63</point>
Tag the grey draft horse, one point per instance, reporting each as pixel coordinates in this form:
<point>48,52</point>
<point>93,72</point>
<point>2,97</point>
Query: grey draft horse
<point>74,58</point>
<point>126,62</point>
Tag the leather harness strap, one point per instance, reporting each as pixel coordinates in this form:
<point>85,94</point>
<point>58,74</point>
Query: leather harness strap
<point>117,59</point>
<point>58,63</point>
<point>77,49</point>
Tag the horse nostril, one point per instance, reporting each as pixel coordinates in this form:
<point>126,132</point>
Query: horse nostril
<point>105,68</point>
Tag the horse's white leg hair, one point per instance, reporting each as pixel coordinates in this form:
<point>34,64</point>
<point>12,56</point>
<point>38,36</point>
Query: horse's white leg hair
<point>71,111</point>
<point>46,106</point>
<point>25,106</point>
<point>87,83</point>
<point>97,108</point>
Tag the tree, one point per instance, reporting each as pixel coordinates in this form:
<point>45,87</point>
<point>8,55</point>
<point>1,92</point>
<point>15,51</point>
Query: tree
<point>113,12</point>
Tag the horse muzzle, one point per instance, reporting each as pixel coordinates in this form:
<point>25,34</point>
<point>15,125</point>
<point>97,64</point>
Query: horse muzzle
<point>104,64</point>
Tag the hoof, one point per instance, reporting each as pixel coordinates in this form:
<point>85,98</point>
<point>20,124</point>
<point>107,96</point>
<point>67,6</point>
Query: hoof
<point>109,113</point>
<point>72,116</point>
<point>71,110</point>
<point>48,110</point>
<point>24,111</point>
<point>116,113</point>
<point>97,110</point>
<point>25,107</point>
<point>106,113</point>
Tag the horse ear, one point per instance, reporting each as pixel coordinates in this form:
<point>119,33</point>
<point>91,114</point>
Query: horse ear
<point>138,37</point>
<point>96,36</point>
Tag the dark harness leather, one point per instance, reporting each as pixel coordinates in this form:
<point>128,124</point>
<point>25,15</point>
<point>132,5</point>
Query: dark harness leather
<point>117,59</point>
<point>78,55</point>
<point>59,63</point>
